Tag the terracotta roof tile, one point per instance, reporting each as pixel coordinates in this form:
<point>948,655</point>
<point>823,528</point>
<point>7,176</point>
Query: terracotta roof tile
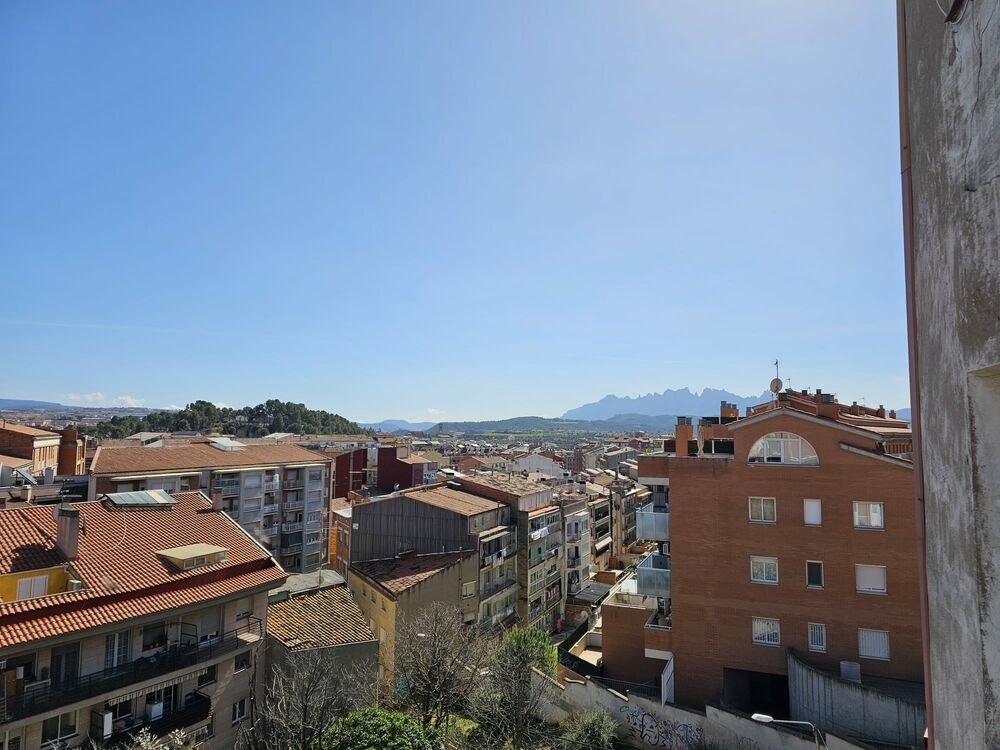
<point>197,456</point>
<point>329,617</point>
<point>26,430</point>
<point>399,574</point>
<point>123,576</point>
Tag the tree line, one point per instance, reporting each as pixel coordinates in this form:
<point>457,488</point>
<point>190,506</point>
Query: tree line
<point>248,421</point>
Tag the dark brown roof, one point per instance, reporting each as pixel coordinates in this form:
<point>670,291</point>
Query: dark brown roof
<point>454,500</point>
<point>198,456</point>
<point>329,617</point>
<point>399,574</point>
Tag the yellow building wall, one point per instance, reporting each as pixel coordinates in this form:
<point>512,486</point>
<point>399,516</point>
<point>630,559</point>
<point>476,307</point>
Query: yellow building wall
<point>384,619</point>
<point>58,580</point>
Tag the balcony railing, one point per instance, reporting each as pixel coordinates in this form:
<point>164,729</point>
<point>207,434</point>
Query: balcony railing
<point>297,526</point>
<point>43,698</point>
<point>294,505</point>
<point>293,484</point>
<point>228,487</point>
<point>271,508</point>
<point>272,486</point>
<point>496,587</point>
<point>653,575</point>
<point>197,711</point>
<point>652,523</point>
<point>291,549</point>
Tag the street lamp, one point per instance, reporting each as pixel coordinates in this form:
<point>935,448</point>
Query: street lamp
<point>817,737</point>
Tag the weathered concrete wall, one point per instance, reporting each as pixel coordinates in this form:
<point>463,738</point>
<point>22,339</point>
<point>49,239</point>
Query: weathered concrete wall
<point>647,724</point>
<point>953,92</point>
<point>837,705</point>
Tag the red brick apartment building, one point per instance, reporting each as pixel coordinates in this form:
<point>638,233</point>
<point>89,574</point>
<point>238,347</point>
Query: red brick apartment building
<point>37,450</point>
<point>791,528</point>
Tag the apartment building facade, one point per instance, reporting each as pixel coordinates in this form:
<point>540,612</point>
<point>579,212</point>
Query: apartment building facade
<point>39,446</point>
<point>798,535</point>
<point>116,615</point>
<point>399,468</point>
<point>278,493</point>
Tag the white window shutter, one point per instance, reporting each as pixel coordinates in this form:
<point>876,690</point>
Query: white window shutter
<point>813,510</point>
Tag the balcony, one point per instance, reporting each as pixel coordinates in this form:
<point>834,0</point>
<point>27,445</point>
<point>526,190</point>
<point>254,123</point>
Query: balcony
<point>49,696</point>
<point>293,484</point>
<point>658,635</point>
<point>553,575</point>
<point>228,487</point>
<point>291,549</point>
<point>196,712</point>
<point>653,575</point>
<point>574,535</point>
<point>295,505</point>
<point>652,523</point>
<point>270,508</point>
<point>496,587</point>
<point>272,485</point>
<point>288,527</point>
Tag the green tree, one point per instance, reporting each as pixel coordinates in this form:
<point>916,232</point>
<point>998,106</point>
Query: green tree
<point>590,730</point>
<point>532,647</point>
<point>378,729</point>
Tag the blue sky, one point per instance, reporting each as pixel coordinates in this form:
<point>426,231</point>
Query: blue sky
<point>448,210</point>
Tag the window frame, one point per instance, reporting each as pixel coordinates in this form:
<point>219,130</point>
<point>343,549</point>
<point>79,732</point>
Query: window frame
<point>888,644</point>
<point>242,662</point>
<point>762,519</point>
<point>53,741</point>
<point>868,526</point>
<point>779,445</point>
<point>885,579</point>
<point>814,648</point>
<point>239,711</point>
<point>805,504</point>
<point>765,561</point>
<point>822,575</point>
<point>754,621</point>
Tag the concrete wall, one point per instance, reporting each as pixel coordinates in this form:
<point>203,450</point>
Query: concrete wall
<point>646,724</point>
<point>848,708</point>
<point>953,93</point>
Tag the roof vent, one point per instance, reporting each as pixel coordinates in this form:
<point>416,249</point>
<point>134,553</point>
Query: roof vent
<point>193,555</point>
<point>850,671</point>
<point>226,444</point>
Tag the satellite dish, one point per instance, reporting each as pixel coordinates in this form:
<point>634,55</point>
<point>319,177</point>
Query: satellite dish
<point>776,385</point>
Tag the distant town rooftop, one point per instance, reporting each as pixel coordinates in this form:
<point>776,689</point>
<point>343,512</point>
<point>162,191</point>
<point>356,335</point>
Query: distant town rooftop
<point>453,499</point>
<point>401,573</point>
<point>198,456</point>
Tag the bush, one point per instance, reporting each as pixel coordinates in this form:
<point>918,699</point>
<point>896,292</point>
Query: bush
<point>377,729</point>
<point>591,730</point>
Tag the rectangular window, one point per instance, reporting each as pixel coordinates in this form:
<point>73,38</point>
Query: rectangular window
<point>239,710</point>
<point>381,635</point>
<point>764,569</point>
<point>241,662</point>
<point>812,510</point>
<point>870,578</point>
<point>244,608</point>
<point>208,677</point>
<point>868,516</point>
<point>814,574</point>
<point>59,727</point>
<point>763,510</point>
<point>32,587</point>
<point>154,636</point>
<point>383,605</point>
<point>116,649</point>
<point>121,710</point>
<point>817,637</point>
<point>766,631</point>
<point>315,475</point>
<point>873,644</point>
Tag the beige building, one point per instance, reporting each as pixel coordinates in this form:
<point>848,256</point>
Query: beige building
<point>391,591</point>
<point>117,615</point>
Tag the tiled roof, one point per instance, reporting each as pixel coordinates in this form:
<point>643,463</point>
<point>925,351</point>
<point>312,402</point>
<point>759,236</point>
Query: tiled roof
<point>14,461</point>
<point>399,574</point>
<point>329,617</point>
<point>197,456</point>
<point>123,577</point>
<point>26,430</point>
<point>451,499</point>
<point>512,485</point>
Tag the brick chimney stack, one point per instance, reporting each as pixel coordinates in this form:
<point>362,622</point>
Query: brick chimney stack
<point>683,433</point>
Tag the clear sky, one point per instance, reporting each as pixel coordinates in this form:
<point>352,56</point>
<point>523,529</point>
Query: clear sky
<point>448,210</point>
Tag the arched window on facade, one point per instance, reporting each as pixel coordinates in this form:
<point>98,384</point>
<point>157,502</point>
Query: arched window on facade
<point>783,448</point>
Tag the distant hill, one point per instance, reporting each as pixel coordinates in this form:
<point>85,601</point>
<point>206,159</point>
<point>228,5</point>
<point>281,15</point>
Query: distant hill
<point>397,425</point>
<point>903,414</point>
<point>17,404</point>
<point>680,401</point>
<point>618,424</point>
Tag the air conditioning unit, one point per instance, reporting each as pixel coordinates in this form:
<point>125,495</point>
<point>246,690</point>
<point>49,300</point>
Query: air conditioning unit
<point>75,584</point>
<point>107,723</point>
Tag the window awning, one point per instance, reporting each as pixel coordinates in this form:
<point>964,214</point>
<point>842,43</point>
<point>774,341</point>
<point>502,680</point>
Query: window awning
<point>153,688</point>
<point>602,544</point>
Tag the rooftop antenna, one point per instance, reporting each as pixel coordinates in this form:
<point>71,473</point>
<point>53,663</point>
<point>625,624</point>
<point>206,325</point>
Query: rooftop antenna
<point>776,382</point>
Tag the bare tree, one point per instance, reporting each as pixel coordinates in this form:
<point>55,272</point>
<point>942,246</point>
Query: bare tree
<point>439,662</point>
<point>510,706</point>
<point>146,740</point>
<point>305,692</point>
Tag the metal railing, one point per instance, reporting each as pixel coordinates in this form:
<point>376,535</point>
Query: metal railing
<point>43,698</point>
<point>290,549</point>
<point>228,487</point>
<point>272,486</point>
<point>296,526</point>
<point>496,587</point>
<point>197,711</point>
<point>645,689</point>
<point>294,505</point>
<point>271,508</point>
<point>293,484</point>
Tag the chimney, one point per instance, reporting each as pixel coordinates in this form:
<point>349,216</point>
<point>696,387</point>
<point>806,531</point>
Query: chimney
<point>68,530</point>
<point>683,433</point>
<point>880,412</point>
<point>50,475</point>
<point>855,409</point>
<point>892,414</point>
<point>26,493</point>
<point>217,500</point>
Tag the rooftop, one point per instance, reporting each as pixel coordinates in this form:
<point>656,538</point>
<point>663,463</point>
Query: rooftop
<point>452,499</point>
<point>24,429</point>
<point>197,456</point>
<point>401,573</point>
<point>117,561</point>
<point>513,485</point>
<point>318,619</point>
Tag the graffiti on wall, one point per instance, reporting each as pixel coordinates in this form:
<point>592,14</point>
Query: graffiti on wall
<point>660,733</point>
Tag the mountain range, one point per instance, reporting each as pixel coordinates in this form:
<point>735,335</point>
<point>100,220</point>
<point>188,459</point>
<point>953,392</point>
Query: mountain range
<point>397,425</point>
<point>679,401</point>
